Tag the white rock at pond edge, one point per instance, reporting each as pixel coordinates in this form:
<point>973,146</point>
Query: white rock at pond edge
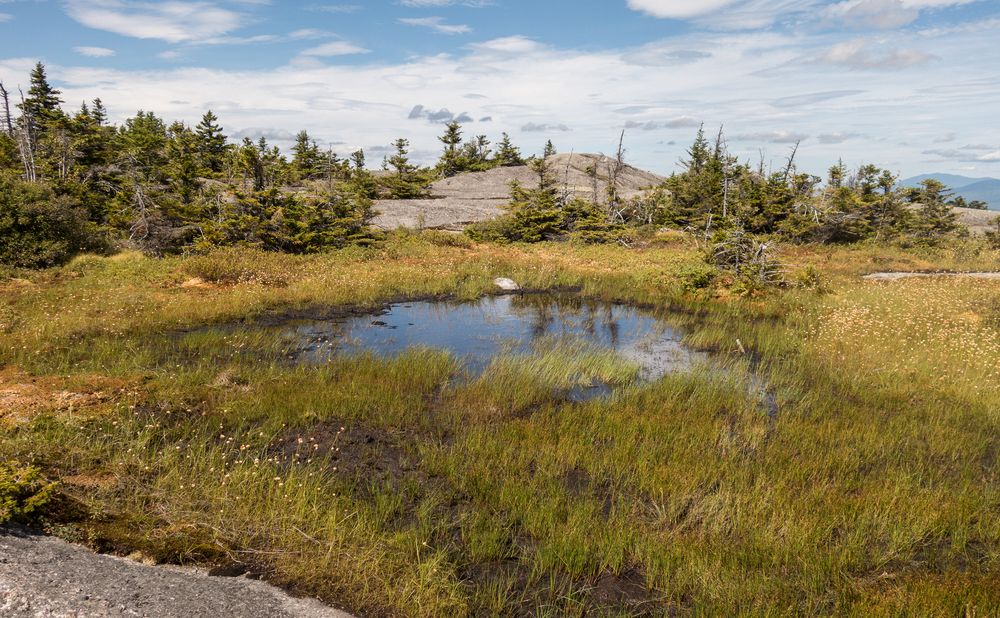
<point>507,285</point>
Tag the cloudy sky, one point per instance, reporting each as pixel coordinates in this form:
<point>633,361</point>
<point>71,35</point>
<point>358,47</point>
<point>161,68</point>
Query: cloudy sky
<point>913,85</point>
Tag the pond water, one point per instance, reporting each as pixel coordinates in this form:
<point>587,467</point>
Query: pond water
<point>478,331</point>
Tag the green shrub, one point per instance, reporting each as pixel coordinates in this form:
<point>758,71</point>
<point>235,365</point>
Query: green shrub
<point>446,239</point>
<point>24,493</point>
<point>809,278</point>
<point>499,230</point>
<point>40,229</point>
<point>696,276</point>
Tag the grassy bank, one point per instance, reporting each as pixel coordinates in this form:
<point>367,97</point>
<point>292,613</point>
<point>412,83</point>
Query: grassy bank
<point>387,487</point>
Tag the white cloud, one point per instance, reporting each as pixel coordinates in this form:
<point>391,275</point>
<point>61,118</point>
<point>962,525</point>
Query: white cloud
<point>837,138</point>
<point>421,4</point>
<point>94,52</point>
<point>335,48</point>
<point>757,14</point>
<point>174,21</point>
<point>437,24</point>
<point>337,8</point>
<point>509,45</point>
<point>760,85</point>
<point>862,54</point>
<point>873,14</point>
<point>678,9</point>
<point>5,17</point>
<point>776,137</point>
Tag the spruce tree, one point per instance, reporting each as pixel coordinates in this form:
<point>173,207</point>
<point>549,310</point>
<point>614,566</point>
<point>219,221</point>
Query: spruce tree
<point>508,155</point>
<point>934,217</point>
<point>306,160</point>
<point>211,143</point>
<point>182,162</point>
<point>98,113</point>
<point>42,103</point>
<point>452,160</point>
<point>405,182</point>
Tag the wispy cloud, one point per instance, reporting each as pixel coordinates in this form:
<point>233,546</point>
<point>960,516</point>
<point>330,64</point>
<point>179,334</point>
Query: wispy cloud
<point>423,4</point>
<point>437,24</point>
<point>174,22</point>
<point>335,48</point>
<point>872,14</point>
<point>94,52</point>
<point>774,137</point>
<point>533,127</point>
<point>862,54</point>
<point>838,137</point>
<point>336,8</point>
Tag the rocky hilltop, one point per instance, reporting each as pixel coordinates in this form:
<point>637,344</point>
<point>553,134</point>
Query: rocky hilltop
<point>478,196</point>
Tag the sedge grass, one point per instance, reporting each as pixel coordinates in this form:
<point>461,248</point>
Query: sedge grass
<point>872,491</point>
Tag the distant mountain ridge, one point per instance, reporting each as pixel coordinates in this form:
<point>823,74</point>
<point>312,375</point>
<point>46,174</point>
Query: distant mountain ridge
<point>983,189</point>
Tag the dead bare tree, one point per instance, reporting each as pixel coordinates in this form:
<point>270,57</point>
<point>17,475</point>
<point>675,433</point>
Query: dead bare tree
<point>727,163</point>
<point>565,187</point>
<point>8,121</point>
<point>26,141</point>
<point>791,161</point>
<point>592,174</point>
<point>616,208</point>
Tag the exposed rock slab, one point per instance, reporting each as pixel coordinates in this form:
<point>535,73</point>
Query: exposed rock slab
<point>42,576</point>
<point>479,196</point>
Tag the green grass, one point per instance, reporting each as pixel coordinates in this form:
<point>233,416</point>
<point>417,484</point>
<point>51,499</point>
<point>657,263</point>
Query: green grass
<point>873,491</point>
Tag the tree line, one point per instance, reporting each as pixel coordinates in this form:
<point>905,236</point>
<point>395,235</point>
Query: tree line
<point>73,182</point>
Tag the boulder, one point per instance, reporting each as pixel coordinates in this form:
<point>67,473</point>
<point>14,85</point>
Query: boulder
<point>507,285</point>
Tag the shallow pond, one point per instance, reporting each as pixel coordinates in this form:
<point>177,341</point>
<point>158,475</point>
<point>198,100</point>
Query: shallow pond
<point>477,332</point>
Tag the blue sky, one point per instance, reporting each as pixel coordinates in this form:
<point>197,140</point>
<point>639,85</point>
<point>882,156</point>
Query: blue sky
<point>910,84</point>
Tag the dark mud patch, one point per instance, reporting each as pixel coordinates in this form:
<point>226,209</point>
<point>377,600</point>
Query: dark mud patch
<point>606,594</point>
<point>626,593</point>
<point>352,450</point>
<point>580,484</point>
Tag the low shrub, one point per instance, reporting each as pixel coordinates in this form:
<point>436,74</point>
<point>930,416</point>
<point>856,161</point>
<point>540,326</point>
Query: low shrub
<point>24,493</point>
<point>447,239</point>
<point>230,266</point>
<point>696,276</point>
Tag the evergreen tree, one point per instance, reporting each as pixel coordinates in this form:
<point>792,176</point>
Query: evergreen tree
<point>476,154</point>
<point>306,160</point>
<point>211,143</point>
<point>141,144</point>
<point>41,105</point>
<point>508,155</point>
<point>98,113</point>
<point>452,161</point>
<point>358,159</point>
<point>550,150</point>
<point>698,153</point>
<point>182,162</point>
<point>405,181</point>
<point>934,217</point>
